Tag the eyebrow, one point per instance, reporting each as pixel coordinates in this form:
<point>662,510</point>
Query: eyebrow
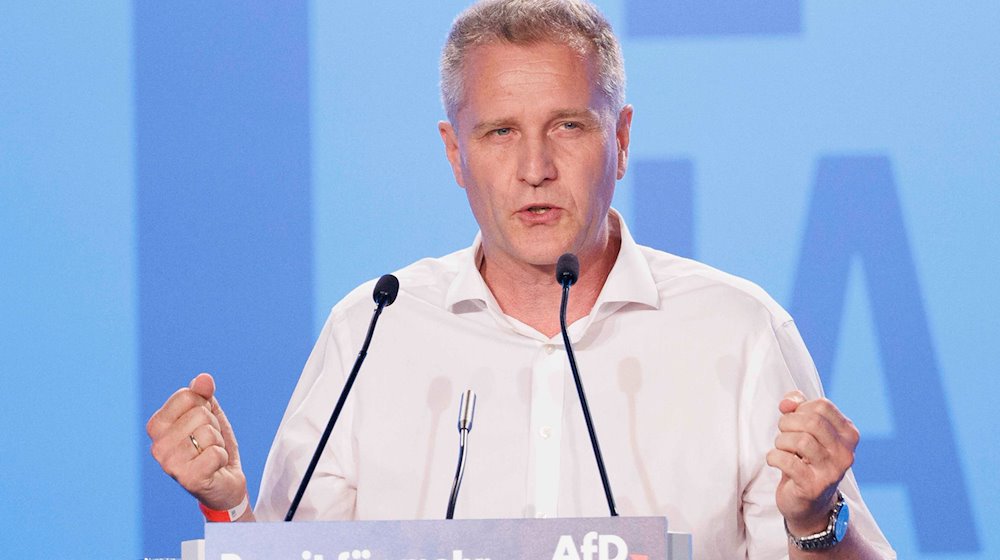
<point>505,122</point>
<point>490,125</point>
<point>579,114</point>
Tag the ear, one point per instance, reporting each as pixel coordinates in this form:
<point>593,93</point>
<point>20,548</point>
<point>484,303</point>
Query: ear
<point>622,131</point>
<point>451,151</point>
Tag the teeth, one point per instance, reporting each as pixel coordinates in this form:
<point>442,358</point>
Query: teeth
<point>538,209</point>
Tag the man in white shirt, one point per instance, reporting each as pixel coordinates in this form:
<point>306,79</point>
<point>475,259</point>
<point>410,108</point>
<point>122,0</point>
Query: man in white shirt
<point>692,372</point>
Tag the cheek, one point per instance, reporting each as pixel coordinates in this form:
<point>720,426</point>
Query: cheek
<point>478,194</point>
<point>485,175</point>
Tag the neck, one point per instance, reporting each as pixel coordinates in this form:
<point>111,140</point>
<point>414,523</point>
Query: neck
<point>531,294</point>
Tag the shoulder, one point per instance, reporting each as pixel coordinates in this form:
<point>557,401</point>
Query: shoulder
<point>695,292</point>
<point>681,280</point>
<point>425,281</point>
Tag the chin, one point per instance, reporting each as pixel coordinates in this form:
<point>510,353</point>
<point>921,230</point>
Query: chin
<point>543,256</point>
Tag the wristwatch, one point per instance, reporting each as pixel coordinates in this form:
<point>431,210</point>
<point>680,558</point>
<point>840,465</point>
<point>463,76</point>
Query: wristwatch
<point>829,537</point>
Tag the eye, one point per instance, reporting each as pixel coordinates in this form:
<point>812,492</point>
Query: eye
<point>501,132</point>
<point>571,125</point>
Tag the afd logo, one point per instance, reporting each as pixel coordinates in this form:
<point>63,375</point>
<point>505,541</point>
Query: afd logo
<point>594,547</point>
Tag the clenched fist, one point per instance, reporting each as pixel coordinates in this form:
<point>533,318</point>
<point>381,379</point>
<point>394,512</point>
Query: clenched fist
<point>814,448</point>
<point>195,444</point>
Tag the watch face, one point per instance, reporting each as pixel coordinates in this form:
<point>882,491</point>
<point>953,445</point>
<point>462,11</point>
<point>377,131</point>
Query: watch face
<point>840,527</point>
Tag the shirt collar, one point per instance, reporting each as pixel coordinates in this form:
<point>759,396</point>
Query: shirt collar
<point>630,280</point>
<point>468,291</point>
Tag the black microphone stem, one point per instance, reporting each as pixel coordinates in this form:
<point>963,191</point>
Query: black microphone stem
<point>583,399</point>
<point>336,410</point>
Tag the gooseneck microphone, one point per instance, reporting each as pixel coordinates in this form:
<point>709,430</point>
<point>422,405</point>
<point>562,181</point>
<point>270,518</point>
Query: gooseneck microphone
<point>567,271</point>
<point>386,290</point>
<point>466,411</point>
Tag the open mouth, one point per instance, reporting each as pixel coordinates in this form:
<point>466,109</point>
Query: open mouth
<point>539,209</point>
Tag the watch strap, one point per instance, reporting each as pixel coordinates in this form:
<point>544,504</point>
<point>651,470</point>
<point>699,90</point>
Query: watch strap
<point>835,530</point>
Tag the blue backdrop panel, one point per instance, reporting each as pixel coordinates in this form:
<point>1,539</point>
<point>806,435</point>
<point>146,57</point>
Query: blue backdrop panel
<point>224,222</point>
<point>69,442</point>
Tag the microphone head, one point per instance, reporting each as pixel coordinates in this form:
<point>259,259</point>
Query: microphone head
<point>466,410</point>
<point>567,269</point>
<point>386,289</point>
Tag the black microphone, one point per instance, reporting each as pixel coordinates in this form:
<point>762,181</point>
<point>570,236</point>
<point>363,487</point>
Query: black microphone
<point>466,411</point>
<point>567,271</point>
<point>386,290</point>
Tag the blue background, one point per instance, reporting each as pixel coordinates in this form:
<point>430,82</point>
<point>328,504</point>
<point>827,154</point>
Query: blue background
<point>188,186</point>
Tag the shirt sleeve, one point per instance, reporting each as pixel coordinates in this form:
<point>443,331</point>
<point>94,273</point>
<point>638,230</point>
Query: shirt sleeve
<point>332,490</point>
<point>780,363</point>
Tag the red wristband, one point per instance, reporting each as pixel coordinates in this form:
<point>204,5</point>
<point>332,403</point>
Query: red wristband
<point>226,515</point>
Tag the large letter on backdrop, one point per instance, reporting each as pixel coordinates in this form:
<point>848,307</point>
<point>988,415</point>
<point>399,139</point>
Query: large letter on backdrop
<point>855,213</point>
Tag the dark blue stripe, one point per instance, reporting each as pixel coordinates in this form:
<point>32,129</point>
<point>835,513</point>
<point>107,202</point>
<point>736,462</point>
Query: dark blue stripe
<point>224,222</point>
<point>664,204</point>
<point>679,18</point>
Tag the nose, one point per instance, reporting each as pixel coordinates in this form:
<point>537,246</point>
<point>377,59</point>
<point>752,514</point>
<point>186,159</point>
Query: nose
<point>535,163</point>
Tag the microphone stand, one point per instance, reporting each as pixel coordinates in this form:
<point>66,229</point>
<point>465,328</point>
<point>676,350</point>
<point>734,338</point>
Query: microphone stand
<point>567,270</point>
<point>385,294</point>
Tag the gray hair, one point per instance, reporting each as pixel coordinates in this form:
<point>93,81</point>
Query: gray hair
<point>576,23</point>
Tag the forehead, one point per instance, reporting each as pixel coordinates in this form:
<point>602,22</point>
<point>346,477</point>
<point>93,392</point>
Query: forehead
<point>502,76</point>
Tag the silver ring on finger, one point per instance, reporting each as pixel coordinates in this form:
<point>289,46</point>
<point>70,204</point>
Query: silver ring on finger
<point>194,442</point>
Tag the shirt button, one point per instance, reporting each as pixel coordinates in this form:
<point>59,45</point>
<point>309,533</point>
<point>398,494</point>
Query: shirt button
<point>550,348</point>
<point>545,432</point>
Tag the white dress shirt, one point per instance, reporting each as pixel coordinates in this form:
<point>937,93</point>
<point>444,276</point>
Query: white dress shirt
<point>683,365</point>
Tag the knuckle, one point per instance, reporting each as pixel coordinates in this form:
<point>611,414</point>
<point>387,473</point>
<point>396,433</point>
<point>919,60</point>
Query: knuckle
<point>183,399</point>
<point>853,434</point>
<point>202,414</point>
<point>156,449</point>
<point>814,423</point>
<point>151,424</point>
<point>802,440</point>
<point>216,436</point>
<point>784,423</point>
<point>222,455</point>
<point>772,457</point>
<point>846,461</point>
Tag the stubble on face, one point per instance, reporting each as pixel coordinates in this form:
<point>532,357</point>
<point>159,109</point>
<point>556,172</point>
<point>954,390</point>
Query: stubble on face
<point>536,153</point>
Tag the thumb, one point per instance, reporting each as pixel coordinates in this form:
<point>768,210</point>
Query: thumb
<point>791,401</point>
<point>203,385</point>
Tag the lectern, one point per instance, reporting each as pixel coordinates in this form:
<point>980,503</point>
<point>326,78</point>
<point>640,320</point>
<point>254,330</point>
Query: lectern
<point>604,538</point>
